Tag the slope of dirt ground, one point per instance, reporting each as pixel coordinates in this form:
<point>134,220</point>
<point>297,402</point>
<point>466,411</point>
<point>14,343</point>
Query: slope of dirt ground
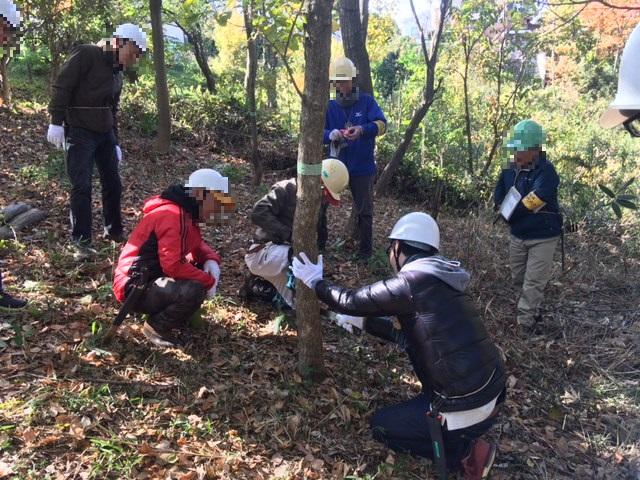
<point>232,405</point>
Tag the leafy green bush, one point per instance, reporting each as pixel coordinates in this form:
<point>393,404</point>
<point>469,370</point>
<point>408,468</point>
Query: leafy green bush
<point>195,112</point>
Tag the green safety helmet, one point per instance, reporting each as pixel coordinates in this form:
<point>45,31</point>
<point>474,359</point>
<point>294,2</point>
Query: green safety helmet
<point>527,134</point>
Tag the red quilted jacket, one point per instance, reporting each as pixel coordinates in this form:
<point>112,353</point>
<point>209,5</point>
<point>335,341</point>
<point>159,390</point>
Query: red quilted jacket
<point>167,242</point>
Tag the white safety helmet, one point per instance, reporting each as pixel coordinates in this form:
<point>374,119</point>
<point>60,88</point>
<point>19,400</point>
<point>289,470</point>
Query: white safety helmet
<point>417,229</point>
<point>335,176</point>
<point>10,13</point>
<point>132,32</point>
<point>627,101</point>
<point>342,69</point>
<point>209,179</point>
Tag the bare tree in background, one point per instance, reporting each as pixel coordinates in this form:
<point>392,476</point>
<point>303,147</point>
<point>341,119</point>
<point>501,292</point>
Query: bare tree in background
<point>163,140</point>
<point>430,55</point>
<point>248,10</point>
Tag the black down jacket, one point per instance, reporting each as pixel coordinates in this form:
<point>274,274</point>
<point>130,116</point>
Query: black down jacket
<point>457,363</point>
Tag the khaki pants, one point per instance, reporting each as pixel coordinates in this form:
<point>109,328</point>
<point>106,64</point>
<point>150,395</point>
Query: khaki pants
<point>531,268</point>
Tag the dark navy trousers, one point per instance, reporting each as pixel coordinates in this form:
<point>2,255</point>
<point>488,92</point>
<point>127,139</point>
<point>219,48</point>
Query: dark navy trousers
<point>403,428</point>
<point>84,149</point>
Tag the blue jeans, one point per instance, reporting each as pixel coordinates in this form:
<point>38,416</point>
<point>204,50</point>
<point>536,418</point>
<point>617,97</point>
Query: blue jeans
<point>84,148</point>
<point>403,428</point>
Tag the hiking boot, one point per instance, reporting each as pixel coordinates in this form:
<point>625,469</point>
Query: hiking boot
<point>160,338</point>
<point>82,252</point>
<point>533,324</point>
<point>478,463</point>
<point>114,237</point>
<point>7,301</point>
<point>259,289</point>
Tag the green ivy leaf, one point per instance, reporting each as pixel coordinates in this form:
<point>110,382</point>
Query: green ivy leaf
<point>627,204</point>
<point>627,197</point>
<point>617,210</point>
<point>626,184</point>
<point>607,191</point>
<point>223,18</point>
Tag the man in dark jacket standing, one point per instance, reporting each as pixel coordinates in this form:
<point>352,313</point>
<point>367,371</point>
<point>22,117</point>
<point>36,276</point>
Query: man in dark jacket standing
<point>269,256</point>
<point>85,99</point>
<point>353,121</point>
<point>167,243</point>
<point>527,196</point>
<point>460,369</point>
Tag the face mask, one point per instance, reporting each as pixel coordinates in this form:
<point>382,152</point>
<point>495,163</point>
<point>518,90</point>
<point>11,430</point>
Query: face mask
<point>348,100</point>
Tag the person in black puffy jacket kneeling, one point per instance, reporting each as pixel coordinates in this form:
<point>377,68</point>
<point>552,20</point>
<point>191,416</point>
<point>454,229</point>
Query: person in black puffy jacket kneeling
<point>460,368</point>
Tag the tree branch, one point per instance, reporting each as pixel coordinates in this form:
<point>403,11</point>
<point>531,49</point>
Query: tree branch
<point>286,65</point>
<point>293,26</point>
<point>423,42</point>
<point>174,19</point>
<point>587,2</point>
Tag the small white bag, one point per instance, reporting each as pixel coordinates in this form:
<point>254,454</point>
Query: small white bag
<point>510,203</point>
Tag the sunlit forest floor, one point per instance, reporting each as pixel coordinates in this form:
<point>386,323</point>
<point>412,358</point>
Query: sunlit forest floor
<point>231,405</point>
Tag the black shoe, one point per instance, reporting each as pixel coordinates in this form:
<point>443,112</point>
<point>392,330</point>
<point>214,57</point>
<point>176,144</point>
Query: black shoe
<point>114,237</point>
<point>258,288</point>
<point>7,301</point>
<point>160,338</point>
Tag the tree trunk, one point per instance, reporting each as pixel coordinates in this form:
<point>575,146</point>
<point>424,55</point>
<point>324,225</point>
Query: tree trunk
<point>398,155</point>
<point>55,64</point>
<point>5,85</point>
<point>467,109</point>
<point>163,140</point>
<point>250,89</point>
<point>271,77</point>
<point>354,21</point>
<point>195,38</point>
<point>353,39</point>
<point>364,19</point>
<point>317,45</point>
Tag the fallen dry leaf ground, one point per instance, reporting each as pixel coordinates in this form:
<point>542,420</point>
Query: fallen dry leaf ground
<point>232,405</point>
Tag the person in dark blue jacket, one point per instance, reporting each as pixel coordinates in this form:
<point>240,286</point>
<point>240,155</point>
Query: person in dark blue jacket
<point>527,196</point>
<point>353,120</point>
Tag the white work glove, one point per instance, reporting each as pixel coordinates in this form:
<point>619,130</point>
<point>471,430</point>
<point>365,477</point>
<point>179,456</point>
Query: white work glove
<point>55,135</point>
<point>348,322</point>
<point>335,135</point>
<point>212,268</point>
<point>119,155</point>
<point>307,271</point>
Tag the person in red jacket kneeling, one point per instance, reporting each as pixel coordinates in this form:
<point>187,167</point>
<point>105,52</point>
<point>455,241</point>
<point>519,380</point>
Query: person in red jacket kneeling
<point>180,267</point>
